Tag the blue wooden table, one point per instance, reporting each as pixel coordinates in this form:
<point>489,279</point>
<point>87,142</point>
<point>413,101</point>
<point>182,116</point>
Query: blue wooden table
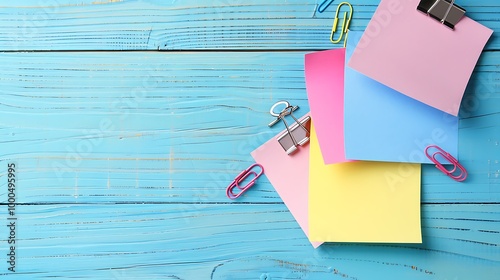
<point>126,120</point>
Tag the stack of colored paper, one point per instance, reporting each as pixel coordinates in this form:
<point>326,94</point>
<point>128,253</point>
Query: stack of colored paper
<point>375,107</point>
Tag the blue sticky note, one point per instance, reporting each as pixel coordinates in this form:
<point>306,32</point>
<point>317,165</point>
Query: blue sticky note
<point>381,124</point>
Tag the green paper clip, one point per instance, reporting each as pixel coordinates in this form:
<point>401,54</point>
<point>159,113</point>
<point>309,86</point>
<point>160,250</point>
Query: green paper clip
<point>345,26</point>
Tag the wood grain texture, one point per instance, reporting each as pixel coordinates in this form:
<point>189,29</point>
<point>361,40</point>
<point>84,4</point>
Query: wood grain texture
<point>135,126</point>
<point>123,156</point>
<point>186,241</point>
<point>188,24</point>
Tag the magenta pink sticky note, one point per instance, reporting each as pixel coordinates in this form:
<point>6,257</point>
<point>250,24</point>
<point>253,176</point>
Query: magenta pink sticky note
<point>416,55</point>
<point>324,72</point>
<point>289,175</point>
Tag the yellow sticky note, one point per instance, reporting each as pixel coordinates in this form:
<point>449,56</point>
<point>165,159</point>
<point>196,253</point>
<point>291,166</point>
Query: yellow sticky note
<point>363,201</point>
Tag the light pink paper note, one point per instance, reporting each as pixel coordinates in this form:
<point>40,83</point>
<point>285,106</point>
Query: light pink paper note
<point>289,175</point>
<point>324,73</point>
<point>418,56</point>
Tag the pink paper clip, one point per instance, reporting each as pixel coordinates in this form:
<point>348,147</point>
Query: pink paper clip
<point>457,173</point>
<point>242,176</point>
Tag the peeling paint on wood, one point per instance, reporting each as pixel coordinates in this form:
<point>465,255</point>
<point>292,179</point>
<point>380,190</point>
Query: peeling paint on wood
<point>124,156</point>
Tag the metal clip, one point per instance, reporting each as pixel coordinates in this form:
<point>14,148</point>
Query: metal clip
<point>322,7</point>
<point>240,178</point>
<point>457,173</point>
<point>445,11</point>
<point>345,26</point>
<point>296,134</point>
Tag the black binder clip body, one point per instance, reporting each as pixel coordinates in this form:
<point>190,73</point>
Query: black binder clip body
<point>296,134</point>
<point>444,11</point>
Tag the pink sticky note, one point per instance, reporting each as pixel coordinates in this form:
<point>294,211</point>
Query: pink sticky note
<point>289,175</point>
<point>324,72</point>
<point>418,56</point>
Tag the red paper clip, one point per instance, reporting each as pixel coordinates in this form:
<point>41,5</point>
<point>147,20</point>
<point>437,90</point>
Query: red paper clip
<point>457,173</point>
<point>242,176</point>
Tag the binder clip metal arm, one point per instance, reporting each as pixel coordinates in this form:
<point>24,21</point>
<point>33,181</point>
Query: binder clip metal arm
<point>296,134</point>
<point>445,11</point>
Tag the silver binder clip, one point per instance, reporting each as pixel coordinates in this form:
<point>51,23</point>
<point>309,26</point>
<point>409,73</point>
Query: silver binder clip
<point>296,134</point>
<point>444,11</point>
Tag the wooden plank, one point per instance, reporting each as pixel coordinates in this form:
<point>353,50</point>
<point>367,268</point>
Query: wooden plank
<point>153,127</point>
<point>188,25</point>
<point>123,158</point>
<point>190,241</point>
